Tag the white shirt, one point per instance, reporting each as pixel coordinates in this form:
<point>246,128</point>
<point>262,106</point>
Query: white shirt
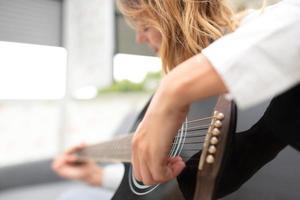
<point>112,176</point>
<point>262,57</point>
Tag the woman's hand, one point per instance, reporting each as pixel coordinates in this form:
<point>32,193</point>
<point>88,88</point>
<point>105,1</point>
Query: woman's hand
<point>153,139</point>
<point>69,166</point>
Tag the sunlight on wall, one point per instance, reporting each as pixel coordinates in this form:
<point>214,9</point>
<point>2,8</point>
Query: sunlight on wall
<point>134,67</point>
<point>32,71</point>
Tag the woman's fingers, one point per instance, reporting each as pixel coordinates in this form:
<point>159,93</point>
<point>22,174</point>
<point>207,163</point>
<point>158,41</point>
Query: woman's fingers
<point>176,165</point>
<point>146,173</point>
<point>166,171</point>
<point>68,157</point>
<point>75,149</point>
<point>135,162</point>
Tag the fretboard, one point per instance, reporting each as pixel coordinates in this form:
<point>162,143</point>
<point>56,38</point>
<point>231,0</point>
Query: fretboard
<point>117,150</point>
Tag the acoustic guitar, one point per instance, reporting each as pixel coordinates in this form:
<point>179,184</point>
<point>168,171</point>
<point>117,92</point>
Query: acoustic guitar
<point>204,143</point>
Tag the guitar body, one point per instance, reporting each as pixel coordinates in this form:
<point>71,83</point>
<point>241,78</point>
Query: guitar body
<point>184,186</point>
<point>167,191</point>
<point>237,158</point>
<point>203,142</point>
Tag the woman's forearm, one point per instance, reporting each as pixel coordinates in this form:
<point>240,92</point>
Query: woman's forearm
<point>192,80</point>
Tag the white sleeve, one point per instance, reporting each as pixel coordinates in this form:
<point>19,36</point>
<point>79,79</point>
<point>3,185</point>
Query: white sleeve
<point>261,58</point>
<point>112,176</point>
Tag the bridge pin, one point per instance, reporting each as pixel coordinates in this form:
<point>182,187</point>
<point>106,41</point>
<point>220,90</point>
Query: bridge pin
<point>210,159</point>
<point>218,124</point>
<point>212,149</point>
<point>220,116</point>
<point>216,132</point>
<point>214,140</point>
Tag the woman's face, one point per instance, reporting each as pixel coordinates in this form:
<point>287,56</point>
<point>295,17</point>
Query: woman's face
<point>150,36</point>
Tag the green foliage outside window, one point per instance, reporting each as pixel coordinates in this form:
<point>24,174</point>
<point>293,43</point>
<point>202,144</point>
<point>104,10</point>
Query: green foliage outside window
<point>149,84</point>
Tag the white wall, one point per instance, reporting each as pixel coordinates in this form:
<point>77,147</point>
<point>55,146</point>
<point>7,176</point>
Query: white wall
<point>89,39</point>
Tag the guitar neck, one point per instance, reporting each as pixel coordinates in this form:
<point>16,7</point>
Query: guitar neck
<point>117,150</point>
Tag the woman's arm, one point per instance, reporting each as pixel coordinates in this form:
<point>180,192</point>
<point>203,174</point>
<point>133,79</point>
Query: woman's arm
<point>194,79</point>
<point>191,80</point>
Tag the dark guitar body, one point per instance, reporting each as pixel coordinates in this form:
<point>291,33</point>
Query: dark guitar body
<point>218,159</point>
<point>203,185</point>
<point>184,186</point>
<point>168,191</point>
<point>236,156</point>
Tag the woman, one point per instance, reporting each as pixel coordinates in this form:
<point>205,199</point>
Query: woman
<point>176,30</point>
<point>274,72</point>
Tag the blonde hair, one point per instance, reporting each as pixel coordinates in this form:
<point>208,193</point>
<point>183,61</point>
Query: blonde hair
<point>186,26</point>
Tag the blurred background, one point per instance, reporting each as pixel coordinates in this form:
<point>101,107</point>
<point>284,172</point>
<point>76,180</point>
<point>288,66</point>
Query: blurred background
<point>70,72</point>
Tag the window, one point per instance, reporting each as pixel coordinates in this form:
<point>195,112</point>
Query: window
<point>32,71</point>
<point>32,86</point>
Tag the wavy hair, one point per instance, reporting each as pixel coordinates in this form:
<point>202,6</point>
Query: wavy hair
<point>186,26</point>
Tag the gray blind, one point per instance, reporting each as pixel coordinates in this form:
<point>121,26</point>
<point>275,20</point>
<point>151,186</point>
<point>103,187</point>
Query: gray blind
<point>31,21</point>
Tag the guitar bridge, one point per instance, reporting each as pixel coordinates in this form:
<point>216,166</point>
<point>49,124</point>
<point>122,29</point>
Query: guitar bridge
<point>211,140</point>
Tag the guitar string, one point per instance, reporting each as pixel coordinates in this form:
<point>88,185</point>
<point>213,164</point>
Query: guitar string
<point>197,120</point>
<point>193,151</point>
<point>193,129</point>
<point>188,135</point>
<point>175,143</point>
<point>200,119</point>
<point>201,142</point>
<point>204,126</point>
<point>182,156</point>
